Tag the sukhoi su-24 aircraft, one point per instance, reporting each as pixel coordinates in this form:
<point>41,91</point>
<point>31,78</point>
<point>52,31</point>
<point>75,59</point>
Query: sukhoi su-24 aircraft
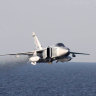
<point>58,53</point>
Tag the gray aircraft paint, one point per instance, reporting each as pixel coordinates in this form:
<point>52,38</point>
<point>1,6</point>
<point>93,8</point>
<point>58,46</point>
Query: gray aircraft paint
<point>72,22</point>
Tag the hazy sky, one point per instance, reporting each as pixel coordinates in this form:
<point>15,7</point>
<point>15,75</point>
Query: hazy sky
<point>72,22</point>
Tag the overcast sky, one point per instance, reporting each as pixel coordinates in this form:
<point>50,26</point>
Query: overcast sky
<point>72,22</point>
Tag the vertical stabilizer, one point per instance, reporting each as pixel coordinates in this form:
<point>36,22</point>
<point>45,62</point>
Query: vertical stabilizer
<point>36,41</point>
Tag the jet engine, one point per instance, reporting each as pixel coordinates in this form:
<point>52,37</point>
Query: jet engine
<point>49,52</point>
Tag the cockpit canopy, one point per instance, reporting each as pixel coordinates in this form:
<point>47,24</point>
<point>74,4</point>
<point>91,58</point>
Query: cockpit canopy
<point>60,45</point>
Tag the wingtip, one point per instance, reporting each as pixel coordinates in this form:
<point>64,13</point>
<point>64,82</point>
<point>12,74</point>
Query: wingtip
<point>86,54</point>
<point>2,55</point>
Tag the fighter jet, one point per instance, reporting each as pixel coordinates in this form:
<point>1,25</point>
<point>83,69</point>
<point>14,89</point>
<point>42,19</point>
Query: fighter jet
<point>58,53</point>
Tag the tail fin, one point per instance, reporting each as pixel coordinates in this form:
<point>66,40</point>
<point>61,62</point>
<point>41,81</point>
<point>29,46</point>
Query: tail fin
<point>36,41</point>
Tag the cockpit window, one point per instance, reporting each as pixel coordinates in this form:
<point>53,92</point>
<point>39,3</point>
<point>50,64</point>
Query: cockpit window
<point>60,45</point>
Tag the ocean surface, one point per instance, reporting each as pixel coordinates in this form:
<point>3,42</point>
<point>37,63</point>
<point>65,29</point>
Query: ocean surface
<point>57,79</point>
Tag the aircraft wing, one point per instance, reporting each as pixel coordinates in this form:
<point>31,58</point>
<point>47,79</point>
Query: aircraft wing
<point>25,53</point>
<point>79,53</point>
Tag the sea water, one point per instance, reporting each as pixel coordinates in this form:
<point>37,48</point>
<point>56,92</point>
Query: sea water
<point>57,79</point>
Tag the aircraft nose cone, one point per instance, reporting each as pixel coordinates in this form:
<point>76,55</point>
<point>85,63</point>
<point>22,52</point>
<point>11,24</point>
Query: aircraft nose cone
<point>68,50</point>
